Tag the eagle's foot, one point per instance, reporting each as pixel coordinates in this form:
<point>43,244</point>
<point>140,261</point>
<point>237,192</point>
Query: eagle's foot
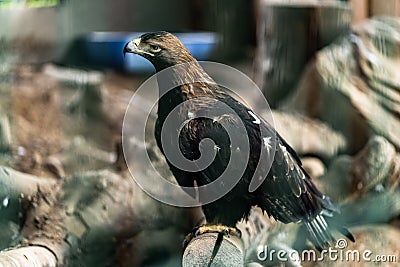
<point>211,228</point>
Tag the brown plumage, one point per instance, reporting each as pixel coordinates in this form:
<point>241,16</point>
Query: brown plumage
<point>287,193</point>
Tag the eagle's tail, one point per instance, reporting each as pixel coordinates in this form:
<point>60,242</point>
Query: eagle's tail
<point>320,231</point>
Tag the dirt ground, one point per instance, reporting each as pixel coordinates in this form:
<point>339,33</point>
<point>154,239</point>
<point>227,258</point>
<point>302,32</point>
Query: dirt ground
<point>47,114</point>
<point>35,105</point>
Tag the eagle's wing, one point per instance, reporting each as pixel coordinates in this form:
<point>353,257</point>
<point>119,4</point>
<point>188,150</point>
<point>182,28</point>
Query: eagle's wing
<point>287,193</point>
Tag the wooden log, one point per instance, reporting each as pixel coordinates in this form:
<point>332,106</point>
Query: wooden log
<point>292,32</point>
<point>234,20</point>
<point>199,250</point>
<point>385,8</point>
<point>33,256</point>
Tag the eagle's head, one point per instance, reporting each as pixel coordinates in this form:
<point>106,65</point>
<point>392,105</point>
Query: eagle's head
<point>162,49</point>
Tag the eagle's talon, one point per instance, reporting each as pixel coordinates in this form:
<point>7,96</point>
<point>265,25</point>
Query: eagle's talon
<point>187,240</point>
<point>194,233</point>
<point>233,231</point>
<point>227,233</point>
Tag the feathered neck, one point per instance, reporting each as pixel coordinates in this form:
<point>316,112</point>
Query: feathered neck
<point>183,82</point>
<point>189,78</point>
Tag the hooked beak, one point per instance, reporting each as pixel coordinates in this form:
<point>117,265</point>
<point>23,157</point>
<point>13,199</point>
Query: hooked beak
<point>132,47</point>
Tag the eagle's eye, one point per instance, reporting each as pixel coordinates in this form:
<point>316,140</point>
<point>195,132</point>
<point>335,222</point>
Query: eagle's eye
<point>155,48</point>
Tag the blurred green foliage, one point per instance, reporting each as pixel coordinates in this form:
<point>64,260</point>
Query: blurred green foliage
<point>29,3</point>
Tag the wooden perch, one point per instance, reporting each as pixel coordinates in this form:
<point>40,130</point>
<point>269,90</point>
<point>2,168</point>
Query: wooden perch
<point>199,250</point>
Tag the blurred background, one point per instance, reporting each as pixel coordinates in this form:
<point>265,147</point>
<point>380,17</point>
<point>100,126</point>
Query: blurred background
<point>72,33</point>
<point>329,70</point>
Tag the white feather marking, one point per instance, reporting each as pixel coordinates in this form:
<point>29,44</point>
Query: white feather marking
<point>5,202</point>
<point>283,148</point>
<point>256,119</point>
<point>190,115</point>
<point>267,143</point>
<point>217,148</point>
